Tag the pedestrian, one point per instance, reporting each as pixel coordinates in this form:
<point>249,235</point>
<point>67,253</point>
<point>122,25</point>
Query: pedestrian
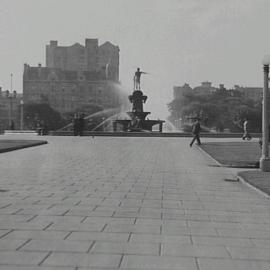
<point>75,125</point>
<point>246,134</point>
<point>81,124</point>
<point>196,129</point>
<point>12,125</point>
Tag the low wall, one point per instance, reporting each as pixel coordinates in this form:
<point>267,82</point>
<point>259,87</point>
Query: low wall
<point>152,134</point>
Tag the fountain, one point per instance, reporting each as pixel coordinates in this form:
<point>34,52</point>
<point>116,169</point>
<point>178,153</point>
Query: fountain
<point>137,121</point>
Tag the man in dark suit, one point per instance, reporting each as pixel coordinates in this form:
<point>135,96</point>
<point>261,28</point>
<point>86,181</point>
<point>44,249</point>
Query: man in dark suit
<point>196,129</point>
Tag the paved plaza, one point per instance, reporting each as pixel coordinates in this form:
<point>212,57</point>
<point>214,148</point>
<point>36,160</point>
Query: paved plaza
<point>127,203</point>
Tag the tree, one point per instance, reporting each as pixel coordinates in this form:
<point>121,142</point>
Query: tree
<point>86,110</point>
<point>42,114</point>
<point>220,110</point>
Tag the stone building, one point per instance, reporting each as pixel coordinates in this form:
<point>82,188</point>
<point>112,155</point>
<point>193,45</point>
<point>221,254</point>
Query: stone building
<point>253,93</point>
<point>204,89</point>
<point>10,104</point>
<point>180,91</point>
<point>66,90</point>
<point>74,77</point>
<point>90,57</point>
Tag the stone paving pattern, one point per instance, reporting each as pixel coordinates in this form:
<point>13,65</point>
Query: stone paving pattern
<point>127,203</point>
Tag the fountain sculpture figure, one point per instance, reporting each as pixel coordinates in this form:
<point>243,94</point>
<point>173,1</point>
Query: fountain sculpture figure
<point>137,121</point>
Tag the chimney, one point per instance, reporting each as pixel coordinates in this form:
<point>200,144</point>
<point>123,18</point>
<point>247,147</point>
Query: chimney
<point>206,84</point>
<point>53,43</point>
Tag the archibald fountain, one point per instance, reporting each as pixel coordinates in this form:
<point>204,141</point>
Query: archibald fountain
<point>137,121</point>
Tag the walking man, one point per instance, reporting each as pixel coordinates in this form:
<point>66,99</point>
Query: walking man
<point>196,129</point>
<point>81,124</point>
<point>246,134</point>
<point>76,125</point>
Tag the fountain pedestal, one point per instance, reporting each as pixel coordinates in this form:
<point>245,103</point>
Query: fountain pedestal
<point>137,121</point>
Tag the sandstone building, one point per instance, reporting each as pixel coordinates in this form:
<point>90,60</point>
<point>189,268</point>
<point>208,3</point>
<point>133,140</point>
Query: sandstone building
<point>75,76</point>
<point>10,109</point>
<point>206,88</point>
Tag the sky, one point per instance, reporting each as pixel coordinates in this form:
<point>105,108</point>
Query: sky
<point>175,41</point>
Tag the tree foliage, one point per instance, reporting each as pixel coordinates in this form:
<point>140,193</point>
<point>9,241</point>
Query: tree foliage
<point>218,110</point>
<point>36,115</point>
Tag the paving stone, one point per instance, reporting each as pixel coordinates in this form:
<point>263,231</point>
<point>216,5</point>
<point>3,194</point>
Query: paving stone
<point>152,238</point>
<point>261,242</point>
<point>59,219</point>
<point>56,245</point>
<point>155,262</point>
<point>249,253</point>
<point>21,258</point>
<point>3,232</point>
<point>221,241</point>
<point>11,244</point>
<point>126,248</point>
<point>75,226</point>
<point>19,234</point>
<point>169,249</point>
<point>83,260</point>
<point>16,267</point>
<point>123,228</point>
<point>176,230</point>
<point>109,220</point>
<point>102,236</point>
<point>159,222</point>
<point>225,264</point>
<point>24,225</point>
<point>15,218</point>
<point>263,234</point>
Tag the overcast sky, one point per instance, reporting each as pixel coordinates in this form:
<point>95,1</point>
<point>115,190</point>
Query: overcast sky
<point>176,41</point>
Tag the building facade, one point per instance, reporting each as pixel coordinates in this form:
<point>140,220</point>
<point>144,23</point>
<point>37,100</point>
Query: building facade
<point>206,88</point>
<point>180,91</point>
<point>74,77</point>
<point>90,57</point>
<point>253,93</point>
<point>10,110</point>
<point>68,91</point>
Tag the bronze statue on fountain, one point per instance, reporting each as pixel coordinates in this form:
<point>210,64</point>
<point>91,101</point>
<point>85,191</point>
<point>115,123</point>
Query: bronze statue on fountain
<point>137,121</point>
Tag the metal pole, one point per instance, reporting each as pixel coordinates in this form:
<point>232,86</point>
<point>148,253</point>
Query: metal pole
<point>11,76</point>
<point>265,161</point>
<point>9,112</point>
<point>21,115</point>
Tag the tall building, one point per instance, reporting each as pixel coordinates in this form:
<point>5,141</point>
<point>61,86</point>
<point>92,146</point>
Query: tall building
<point>90,57</point>
<point>75,76</point>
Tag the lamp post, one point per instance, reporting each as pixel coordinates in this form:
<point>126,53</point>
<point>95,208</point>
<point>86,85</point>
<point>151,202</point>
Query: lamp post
<point>265,160</point>
<point>11,96</point>
<point>21,122</point>
<point>103,124</point>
